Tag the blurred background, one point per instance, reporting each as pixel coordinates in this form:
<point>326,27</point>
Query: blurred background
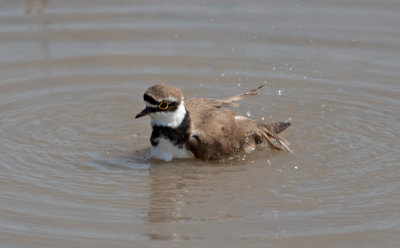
<point>73,160</point>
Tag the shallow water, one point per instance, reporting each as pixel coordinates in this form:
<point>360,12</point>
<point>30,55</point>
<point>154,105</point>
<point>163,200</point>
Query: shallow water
<point>72,75</point>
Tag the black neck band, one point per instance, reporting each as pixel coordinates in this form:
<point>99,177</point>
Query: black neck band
<point>178,135</point>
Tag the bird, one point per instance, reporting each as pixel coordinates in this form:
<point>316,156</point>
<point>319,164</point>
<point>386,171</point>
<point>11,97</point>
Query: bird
<point>203,128</point>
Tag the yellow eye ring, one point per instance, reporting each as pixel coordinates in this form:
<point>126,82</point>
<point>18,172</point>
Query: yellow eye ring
<point>163,105</point>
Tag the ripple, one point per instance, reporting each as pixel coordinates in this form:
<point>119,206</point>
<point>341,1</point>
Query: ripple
<point>74,160</point>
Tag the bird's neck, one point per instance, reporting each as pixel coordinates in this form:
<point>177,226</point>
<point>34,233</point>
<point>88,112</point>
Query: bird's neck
<point>176,135</point>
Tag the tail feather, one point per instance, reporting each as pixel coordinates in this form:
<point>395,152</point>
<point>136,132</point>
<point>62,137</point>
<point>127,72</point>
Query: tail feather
<point>270,133</point>
<point>277,127</point>
<point>271,136</point>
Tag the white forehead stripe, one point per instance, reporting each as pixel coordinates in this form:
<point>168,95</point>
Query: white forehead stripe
<point>149,105</point>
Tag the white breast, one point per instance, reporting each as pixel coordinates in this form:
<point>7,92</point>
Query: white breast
<point>166,151</point>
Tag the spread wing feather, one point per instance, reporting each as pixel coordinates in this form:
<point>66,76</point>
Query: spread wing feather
<point>230,101</point>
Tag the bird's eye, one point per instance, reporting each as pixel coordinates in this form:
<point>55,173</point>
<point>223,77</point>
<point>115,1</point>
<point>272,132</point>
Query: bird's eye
<point>163,105</point>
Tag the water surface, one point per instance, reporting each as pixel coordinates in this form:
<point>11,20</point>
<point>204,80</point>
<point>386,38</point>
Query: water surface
<point>72,75</point>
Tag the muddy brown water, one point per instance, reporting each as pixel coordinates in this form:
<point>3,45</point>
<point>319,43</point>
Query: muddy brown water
<point>72,75</point>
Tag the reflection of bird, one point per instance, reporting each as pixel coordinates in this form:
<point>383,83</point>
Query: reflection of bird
<point>40,9</point>
<point>198,127</point>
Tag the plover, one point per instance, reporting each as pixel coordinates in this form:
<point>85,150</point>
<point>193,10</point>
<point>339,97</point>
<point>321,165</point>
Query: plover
<point>201,128</point>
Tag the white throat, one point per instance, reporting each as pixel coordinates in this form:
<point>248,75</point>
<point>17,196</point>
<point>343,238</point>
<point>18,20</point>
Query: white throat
<point>169,119</point>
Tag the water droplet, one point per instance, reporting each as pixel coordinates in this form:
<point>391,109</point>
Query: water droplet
<point>238,84</point>
<point>262,118</point>
<point>248,113</point>
<point>268,162</point>
<point>222,74</point>
<point>295,167</point>
<point>305,77</point>
<point>280,92</point>
<point>273,68</point>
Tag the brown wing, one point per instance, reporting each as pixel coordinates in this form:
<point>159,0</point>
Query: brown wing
<point>219,133</point>
<point>229,101</point>
<point>235,98</point>
<point>213,130</point>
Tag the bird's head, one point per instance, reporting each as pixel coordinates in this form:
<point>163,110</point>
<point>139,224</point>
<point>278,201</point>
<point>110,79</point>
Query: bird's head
<point>164,105</point>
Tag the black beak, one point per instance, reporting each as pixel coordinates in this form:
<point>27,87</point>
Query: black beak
<point>144,112</point>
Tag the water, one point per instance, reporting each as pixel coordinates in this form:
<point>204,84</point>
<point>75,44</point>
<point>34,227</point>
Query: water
<point>73,169</point>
